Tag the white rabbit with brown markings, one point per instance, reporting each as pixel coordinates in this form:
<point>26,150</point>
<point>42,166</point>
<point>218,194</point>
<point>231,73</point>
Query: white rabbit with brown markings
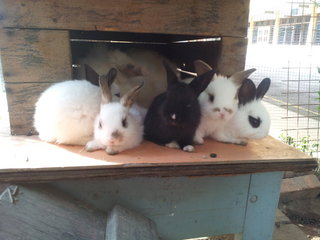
<point>119,125</point>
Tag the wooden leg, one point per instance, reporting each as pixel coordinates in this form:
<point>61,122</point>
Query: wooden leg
<point>262,203</point>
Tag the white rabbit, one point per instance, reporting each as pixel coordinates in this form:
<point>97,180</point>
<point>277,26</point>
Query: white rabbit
<point>219,101</point>
<point>134,66</point>
<point>119,125</point>
<point>252,120</point>
<point>65,112</point>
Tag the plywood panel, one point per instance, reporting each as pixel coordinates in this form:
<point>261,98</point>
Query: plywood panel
<point>208,17</point>
<point>28,159</point>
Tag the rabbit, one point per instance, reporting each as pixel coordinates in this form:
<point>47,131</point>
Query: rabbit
<point>119,125</point>
<point>174,115</point>
<point>219,101</point>
<point>134,66</point>
<point>252,120</point>
<point>65,112</point>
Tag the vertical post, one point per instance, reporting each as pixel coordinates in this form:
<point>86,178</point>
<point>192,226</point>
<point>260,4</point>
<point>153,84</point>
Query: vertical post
<point>312,24</point>
<point>276,28</point>
<point>263,197</point>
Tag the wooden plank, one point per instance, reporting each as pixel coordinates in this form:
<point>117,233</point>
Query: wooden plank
<point>40,212</point>
<point>262,204</point>
<point>233,55</point>
<point>207,17</point>
<point>31,61</point>
<point>35,55</point>
<point>21,99</point>
<point>28,159</point>
<point>181,207</point>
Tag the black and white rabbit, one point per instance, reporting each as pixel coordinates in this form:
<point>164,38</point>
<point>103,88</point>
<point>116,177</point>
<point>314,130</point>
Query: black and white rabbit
<point>252,120</point>
<point>219,101</point>
<point>174,115</point>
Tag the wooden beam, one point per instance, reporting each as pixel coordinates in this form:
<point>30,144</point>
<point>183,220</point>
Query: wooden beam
<point>233,55</point>
<point>206,17</point>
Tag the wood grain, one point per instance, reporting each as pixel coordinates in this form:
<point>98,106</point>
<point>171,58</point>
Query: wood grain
<point>35,55</point>
<point>31,61</point>
<point>206,17</point>
<point>41,212</point>
<point>233,55</point>
<point>21,99</point>
<point>28,159</point>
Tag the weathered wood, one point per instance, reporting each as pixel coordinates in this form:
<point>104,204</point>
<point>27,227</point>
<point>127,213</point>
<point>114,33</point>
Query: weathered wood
<point>31,61</point>
<point>125,224</point>
<point>35,55</point>
<point>233,55</point>
<point>21,99</point>
<point>28,159</point>
<point>40,212</point>
<point>262,205</point>
<point>181,207</point>
<point>206,17</point>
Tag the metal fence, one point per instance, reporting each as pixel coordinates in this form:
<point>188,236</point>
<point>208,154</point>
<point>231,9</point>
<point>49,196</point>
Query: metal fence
<point>284,44</point>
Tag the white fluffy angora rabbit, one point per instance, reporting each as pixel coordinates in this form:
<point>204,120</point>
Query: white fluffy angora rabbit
<point>252,120</point>
<point>65,112</point>
<point>219,101</point>
<point>119,125</point>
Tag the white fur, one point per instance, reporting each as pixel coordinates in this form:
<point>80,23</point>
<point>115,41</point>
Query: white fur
<point>65,112</point>
<point>238,130</point>
<point>132,134</point>
<point>224,91</point>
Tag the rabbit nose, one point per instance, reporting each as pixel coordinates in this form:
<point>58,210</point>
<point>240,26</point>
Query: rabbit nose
<point>221,115</point>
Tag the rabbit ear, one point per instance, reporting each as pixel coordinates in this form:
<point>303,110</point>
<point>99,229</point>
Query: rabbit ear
<point>128,99</point>
<point>201,67</point>
<point>105,82</point>
<point>201,82</point>
<point>263,88</point>
<point>238,77</point>
<point>247,92</point>
<point>91,75</point>
<point>171,75</point>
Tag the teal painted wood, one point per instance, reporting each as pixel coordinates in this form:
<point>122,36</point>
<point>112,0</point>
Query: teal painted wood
<point>262,204</point>
<point>181,207</point>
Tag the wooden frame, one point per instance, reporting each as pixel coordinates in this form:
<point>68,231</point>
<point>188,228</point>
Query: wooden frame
<point>35,47</point>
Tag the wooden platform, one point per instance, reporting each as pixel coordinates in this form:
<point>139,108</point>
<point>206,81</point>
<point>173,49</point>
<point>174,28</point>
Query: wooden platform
<point>28,159</point>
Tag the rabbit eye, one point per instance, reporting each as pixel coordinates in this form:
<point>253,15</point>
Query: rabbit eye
<point>117,94</point>
<point>188,105</point>
<point>124,122</point>
<point>254,122</point>
<point>173,116</point>
<point>211,97</point>
<point>100,125</point>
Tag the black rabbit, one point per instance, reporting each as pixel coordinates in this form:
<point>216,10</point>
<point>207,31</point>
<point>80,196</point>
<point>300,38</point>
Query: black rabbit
<point>174,115</point>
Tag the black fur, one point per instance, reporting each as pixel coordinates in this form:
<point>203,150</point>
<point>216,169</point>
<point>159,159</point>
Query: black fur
<point>175,114</point>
